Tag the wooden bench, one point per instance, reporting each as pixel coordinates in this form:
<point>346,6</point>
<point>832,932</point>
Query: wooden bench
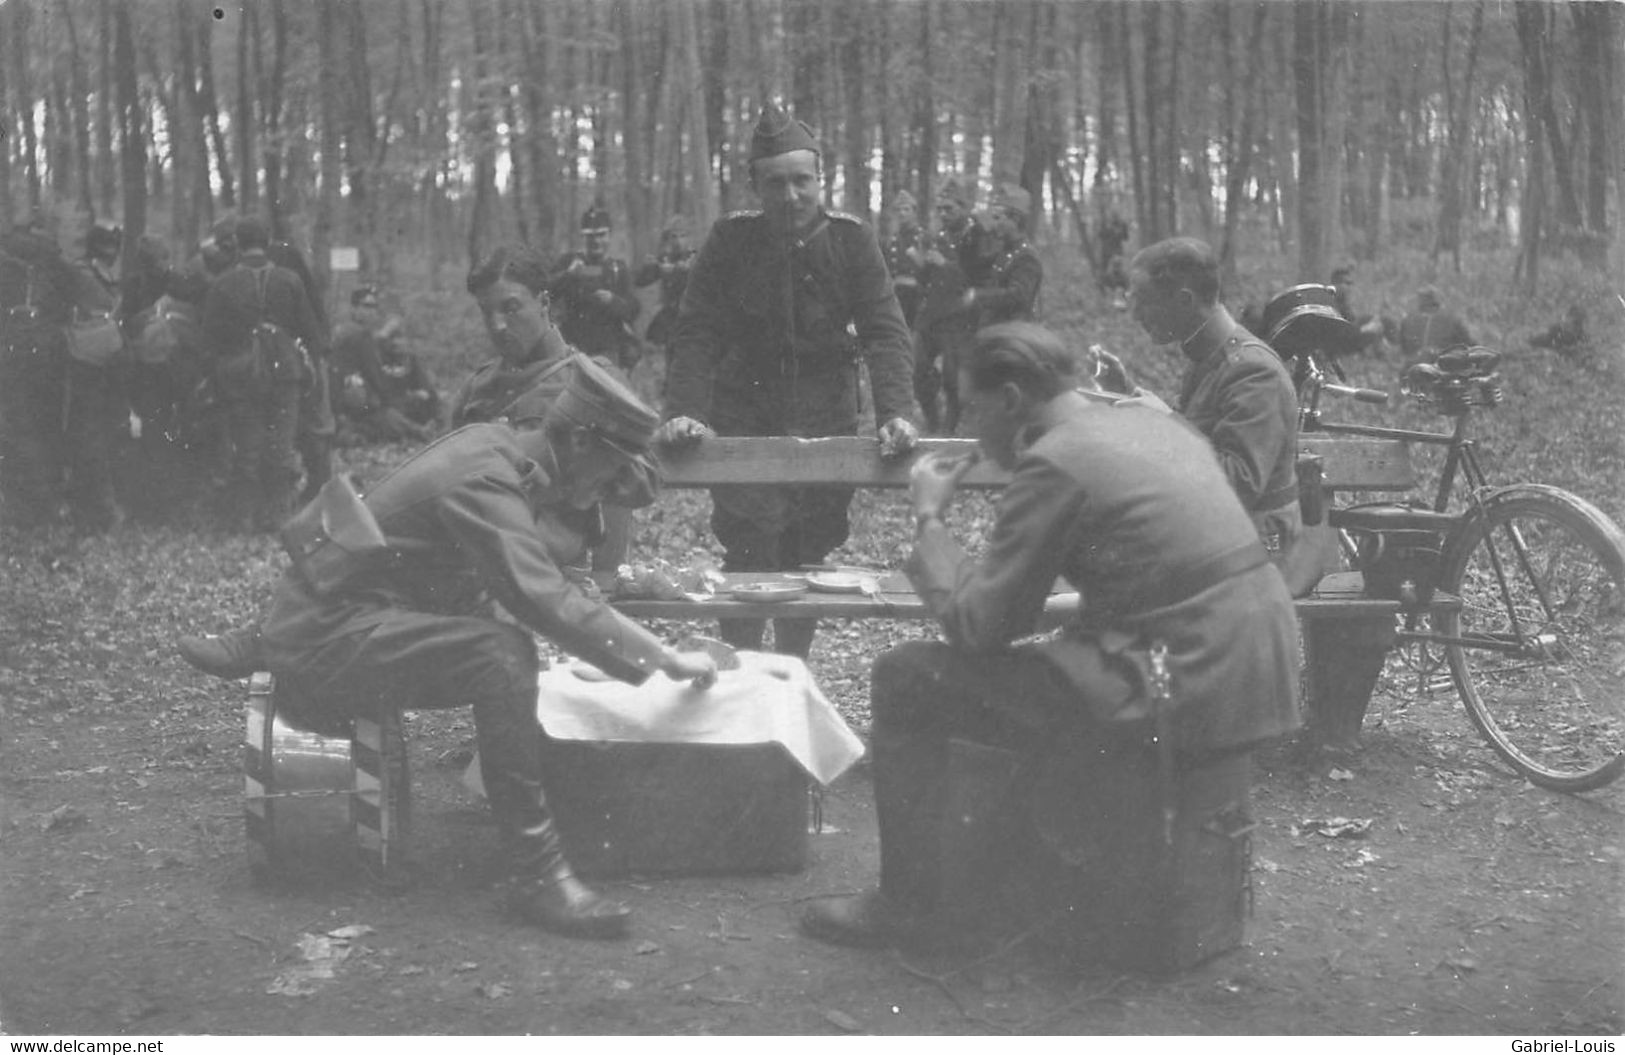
<point>1346,634</point>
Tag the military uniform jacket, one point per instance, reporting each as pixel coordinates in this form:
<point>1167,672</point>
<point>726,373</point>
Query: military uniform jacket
<point>474,519</point>
<point>1128,505</point>
<point>672,282</point>
<point>900,251</point>
<point>1425,332</point>
<point>232,308</point>
<point>968,255</point>
<point>1238,394</point>
<point>358,352</point>
<point>597,329</point>
<point>768,334</point>
<point>36,292</point>
<point>1012,286</point>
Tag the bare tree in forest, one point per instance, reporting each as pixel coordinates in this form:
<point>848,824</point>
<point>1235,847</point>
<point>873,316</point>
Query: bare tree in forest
<point>1459,104</point>
<point>132,135</point>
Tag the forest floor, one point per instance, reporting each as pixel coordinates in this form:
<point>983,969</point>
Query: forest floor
<point>1473,904</point>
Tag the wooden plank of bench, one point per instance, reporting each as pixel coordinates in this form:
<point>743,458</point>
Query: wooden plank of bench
<point>1351,463</point>
<point>1359,463</point>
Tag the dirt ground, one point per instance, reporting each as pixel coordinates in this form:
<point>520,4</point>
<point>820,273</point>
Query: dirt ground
<point>1473,904</point>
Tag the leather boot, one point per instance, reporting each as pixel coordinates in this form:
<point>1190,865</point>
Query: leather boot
<point>234,654</point>
<point>910,777</point>
<point>550,896</point>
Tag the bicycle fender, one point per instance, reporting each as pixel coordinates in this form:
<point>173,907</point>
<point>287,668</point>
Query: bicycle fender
<point>1496,496</point>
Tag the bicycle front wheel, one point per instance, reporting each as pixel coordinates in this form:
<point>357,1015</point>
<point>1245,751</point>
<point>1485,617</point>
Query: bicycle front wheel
<point>1538,644</point>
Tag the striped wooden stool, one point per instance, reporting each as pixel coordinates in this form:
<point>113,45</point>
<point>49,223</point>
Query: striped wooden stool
<point>312,802</point>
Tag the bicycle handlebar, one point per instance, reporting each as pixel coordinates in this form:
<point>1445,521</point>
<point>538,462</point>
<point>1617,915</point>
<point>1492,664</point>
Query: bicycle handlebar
<point>1364,395</point>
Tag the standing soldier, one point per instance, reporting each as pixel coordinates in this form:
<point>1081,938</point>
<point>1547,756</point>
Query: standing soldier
<point>261,376</point>
<point>955,259</point>
<point>95,408</point>
<point>36,302</point>
<point>1013,280</point>
<point>669,267</point>
<point>593,292</point>
<point>904,253</point>
<point>779,306</point>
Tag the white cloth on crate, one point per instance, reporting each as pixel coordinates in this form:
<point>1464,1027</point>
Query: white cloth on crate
<point>771,698</point>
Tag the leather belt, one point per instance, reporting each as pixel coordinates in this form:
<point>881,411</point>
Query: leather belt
<point>1187,583</point>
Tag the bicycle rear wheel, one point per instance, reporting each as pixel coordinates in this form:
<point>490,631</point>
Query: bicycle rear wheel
<point>1540,661</point>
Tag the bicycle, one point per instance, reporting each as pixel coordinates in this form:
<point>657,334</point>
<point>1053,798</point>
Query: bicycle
<point>1521,593</point>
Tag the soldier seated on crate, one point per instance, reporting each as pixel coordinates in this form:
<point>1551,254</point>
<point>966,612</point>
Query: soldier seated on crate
<point>1128,505</point>
<point>484,514</point>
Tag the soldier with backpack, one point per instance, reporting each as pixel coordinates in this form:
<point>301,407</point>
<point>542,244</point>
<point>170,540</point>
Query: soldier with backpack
<point>36,303</point>
<point>254,317</point>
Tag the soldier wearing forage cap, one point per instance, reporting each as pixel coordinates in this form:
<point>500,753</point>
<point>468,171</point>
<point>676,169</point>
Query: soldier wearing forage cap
<point>1010,291</point>
<point>669,267</point>
<point>956,259</point>
<point>484,514</point>
<point>904,253</point>
<point>593,294</point>
<point>780,304</point>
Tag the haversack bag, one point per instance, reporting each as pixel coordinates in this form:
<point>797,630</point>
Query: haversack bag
<point>334,538</point>
<point>95,341</point>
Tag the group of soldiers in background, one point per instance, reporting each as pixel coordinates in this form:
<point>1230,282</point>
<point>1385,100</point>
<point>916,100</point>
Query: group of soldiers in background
<point>972,270</point>
<point>226,356</point>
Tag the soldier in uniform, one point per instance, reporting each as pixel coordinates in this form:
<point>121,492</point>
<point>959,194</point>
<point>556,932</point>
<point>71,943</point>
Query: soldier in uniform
<point>1430,329</point>
<point>779,306</point>
<point>532,357</point>
<point>1130,508</point>
<point>1013,280</point>
<point>904,253</point>
<point>669,267</point>
<point>485,514</point>
<point>593,294</point>
<point>1235,390</point>
<point>379,390</point>
<point>955,259</point>
<point>36,303</point>
<point>263,404</point>
<point>96,407</point>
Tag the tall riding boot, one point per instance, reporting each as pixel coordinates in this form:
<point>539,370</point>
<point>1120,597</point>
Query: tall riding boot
<point>794,637</point>
<point>744,634</point>
<point>547,892</point>
<point>910,777</point>
<point>316,454</point>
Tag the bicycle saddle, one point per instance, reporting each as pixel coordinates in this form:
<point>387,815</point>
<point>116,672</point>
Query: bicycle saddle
<point>1468,362</point>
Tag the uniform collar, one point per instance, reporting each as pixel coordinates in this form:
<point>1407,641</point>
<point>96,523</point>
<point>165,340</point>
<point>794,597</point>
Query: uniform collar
<point>1216,331</point>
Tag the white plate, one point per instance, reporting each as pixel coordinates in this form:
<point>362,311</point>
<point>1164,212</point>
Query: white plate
<point>838,582</point>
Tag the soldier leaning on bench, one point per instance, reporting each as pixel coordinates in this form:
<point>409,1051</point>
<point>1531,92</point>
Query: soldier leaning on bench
<point>780,304</point>
<point>1126,503</point>
<point>486,513</point>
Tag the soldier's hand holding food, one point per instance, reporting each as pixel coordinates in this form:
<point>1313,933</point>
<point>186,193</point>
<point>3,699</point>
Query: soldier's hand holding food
<point>682,432</point>
<point>897,436</point>
<point>697,668</point>
<point>933,480</point>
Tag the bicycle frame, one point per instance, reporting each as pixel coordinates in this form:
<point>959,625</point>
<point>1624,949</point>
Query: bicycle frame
<point>1461,457</point>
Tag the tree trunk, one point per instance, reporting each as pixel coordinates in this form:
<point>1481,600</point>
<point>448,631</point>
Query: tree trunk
<point>1241,150</point>
<point>1307,57</point>
<point>481,133</point>
<point>209,107</point>
<point>1459,107</point>
<point>1125,51</point>
<point>633,97</point>
<point>855,80</point>
<point>21,23</point>
<point>272,84</point>
<point>81,114</point>
<point>700,145</point>
<point>132,135</point>
<point>8,208</point>
<point>330,105</point>
<point>1593,26</point>
<point>247,29</point>
<point>925,112</point>
<point>1531,21</point>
